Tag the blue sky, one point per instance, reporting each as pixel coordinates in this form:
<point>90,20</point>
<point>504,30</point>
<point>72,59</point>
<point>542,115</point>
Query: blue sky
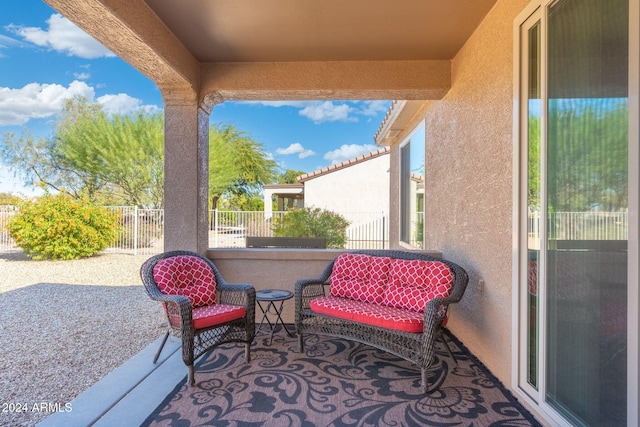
<point>45,59</point>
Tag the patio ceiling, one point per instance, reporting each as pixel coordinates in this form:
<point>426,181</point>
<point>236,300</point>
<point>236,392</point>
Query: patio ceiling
<point>270,49</point>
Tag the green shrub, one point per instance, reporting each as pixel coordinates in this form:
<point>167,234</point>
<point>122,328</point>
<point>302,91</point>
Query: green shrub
<point>60,227</point>
<point>313,222</point>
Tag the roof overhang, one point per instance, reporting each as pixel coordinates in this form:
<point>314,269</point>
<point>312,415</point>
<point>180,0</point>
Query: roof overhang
<point>398,118</point>
<point>213,50</point>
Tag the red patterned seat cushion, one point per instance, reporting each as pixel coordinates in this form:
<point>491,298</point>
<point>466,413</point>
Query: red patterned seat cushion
<point>211,315</point>
<point>189,276</point>
<point>413,283</point>
<point>360,277</point>
<point>371,314</point>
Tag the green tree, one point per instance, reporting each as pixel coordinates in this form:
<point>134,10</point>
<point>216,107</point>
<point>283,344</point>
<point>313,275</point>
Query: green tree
<point>587,156</point>
<point>36,161</point>
<point>238,165</point>
<point>125,153</point>
<point>290,176</point>
<point>119,159</point>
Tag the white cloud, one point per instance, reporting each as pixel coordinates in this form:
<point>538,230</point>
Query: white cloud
<point>330,111</point>
<point>63,36</point>
<point>124,104</point>
<point>6,42</point>
<point>296,148</point>
<point>346,152</point>
<point>372,108</point>
<point>37,101</point>
<point>82,76</point>
<point>327,111</point>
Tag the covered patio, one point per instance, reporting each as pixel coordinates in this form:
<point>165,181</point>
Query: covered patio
<point>286,388</point>
<point>460,69</point>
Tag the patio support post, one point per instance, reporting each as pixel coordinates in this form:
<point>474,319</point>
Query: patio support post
<point>186,175</point>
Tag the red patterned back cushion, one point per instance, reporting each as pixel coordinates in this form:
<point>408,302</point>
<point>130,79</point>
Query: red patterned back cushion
<point>360,277</point>
<point>413,283</point>
<point>186,275</point>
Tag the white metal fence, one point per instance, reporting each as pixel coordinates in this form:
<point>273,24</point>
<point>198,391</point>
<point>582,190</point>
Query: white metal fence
<point>229,229</point>
<point>141,230</point>
<point>582,225</point>
<point>6,242</point>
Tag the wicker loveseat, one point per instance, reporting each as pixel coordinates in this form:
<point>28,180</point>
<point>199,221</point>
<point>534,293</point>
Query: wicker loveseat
<point>396,301</point>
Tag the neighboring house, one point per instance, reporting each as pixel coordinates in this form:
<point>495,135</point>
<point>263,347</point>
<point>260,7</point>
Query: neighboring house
<point>520,106</point>
<point>287,196</point>
<point>357,189</point>
<point>360,184</point>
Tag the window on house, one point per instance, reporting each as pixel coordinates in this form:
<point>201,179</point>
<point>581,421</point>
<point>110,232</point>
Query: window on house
<point>412,188</point>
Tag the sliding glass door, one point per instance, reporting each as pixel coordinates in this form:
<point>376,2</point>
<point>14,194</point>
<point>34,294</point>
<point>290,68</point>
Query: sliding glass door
<point>574,177</point>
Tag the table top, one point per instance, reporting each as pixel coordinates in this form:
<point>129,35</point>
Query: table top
<point>273,295</point>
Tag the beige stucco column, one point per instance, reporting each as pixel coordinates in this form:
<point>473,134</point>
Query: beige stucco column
<point>186,168</point>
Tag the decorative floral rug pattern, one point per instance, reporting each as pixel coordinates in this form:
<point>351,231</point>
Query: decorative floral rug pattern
<point>337,383</point>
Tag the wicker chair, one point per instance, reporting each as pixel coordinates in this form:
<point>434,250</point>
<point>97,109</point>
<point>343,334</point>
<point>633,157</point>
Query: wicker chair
<point>414,347</point>
<point>202,309</point>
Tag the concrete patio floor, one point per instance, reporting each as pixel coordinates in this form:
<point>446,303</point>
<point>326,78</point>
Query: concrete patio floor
<point>127,395</point>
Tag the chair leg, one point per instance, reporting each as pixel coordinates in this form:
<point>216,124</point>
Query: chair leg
<point>155,359</point>
<point>191,375</point>
<point>247,352</point>
<point>300,344</point>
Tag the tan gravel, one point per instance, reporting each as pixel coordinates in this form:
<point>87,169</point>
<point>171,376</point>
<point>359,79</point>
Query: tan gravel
<point>64,325</point>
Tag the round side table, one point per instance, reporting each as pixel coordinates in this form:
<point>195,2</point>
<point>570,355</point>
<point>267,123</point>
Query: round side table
<point>271,297</point>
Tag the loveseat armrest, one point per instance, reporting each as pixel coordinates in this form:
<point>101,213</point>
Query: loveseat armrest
<point>308,289</point>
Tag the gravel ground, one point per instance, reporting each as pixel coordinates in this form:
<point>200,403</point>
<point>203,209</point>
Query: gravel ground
<point>64,325</point>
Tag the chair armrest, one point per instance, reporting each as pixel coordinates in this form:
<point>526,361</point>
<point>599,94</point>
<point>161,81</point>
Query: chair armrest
<point>176,306</point>
<point>242,294</point>
<point>179,300</point>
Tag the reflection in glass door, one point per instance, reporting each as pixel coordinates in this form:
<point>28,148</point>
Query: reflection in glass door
<point>575,197</point>
<point>587,197</point>
<point>533,201</point>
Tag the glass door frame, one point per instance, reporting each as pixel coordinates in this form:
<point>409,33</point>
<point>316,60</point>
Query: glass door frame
<point>535,397</point>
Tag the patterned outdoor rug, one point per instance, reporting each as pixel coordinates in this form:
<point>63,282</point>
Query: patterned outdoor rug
<point>336,383</point>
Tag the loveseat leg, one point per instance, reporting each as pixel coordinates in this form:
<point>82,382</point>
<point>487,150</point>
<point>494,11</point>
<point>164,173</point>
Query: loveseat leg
<point>425,381</point>
<point>191,375</point>
<point>247,352</point>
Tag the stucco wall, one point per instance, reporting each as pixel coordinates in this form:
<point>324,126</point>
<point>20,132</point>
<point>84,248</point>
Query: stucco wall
<point>275,268</point>
<point>469,184</point>
<point>362,187</point>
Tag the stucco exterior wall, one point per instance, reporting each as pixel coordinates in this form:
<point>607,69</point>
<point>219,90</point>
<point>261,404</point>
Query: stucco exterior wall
<point>469,184</point>
<point>362,187</point>
<point>275,268</point>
